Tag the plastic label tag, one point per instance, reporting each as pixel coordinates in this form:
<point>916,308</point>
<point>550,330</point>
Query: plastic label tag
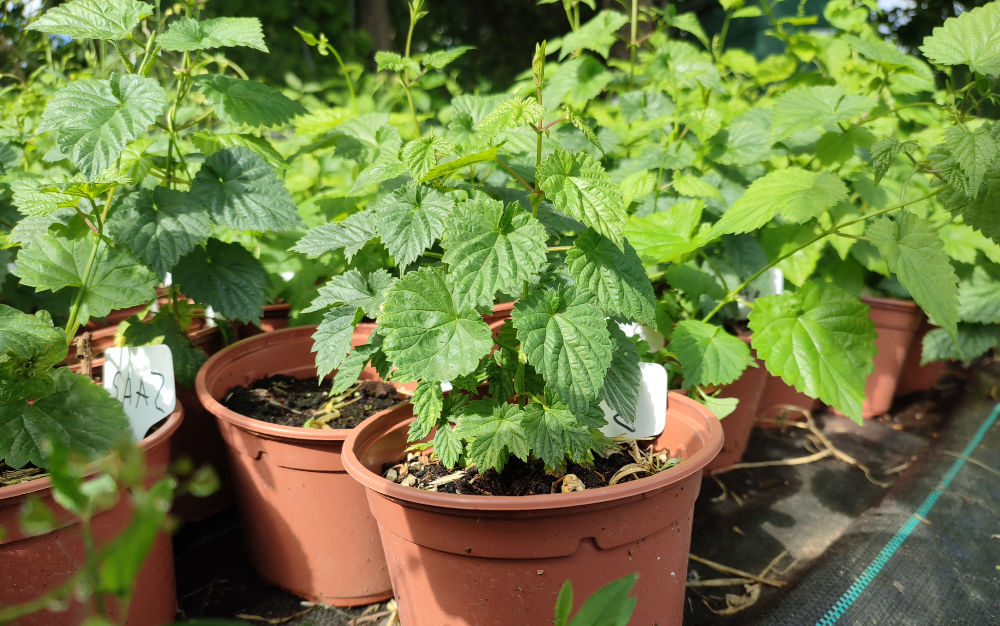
<point>651,416</point>
<point>770,283</point>
<point>142,379</point>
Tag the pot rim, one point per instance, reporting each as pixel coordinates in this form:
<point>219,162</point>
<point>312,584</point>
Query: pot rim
<point>622,491</point>
<point>251,345</point>
<point>170,424</point>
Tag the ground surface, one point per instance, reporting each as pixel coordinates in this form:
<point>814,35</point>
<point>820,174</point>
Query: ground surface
<point>813,528</point>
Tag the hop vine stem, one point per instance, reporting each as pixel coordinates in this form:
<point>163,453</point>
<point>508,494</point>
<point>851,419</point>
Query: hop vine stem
<point>833,230</point>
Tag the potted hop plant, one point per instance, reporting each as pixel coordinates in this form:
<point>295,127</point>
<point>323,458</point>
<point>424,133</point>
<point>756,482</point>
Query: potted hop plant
<point>137,205</point>
<point>532,391</point>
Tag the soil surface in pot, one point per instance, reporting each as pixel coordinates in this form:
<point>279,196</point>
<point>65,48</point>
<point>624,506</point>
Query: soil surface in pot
<point>290,401</point>
<point>520,478</point>
<point>10,476</point>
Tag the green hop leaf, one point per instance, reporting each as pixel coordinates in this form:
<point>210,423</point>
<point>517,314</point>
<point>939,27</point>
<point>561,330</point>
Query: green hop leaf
<point>512,113</point>
<point>409,220</point>
<point>350,235</point>
<point>248,102</point>
<point>76,412</point>
<point>187,34</point>
<point>553,434</point>
<point>354,289</point>
<point>117,281</point>
<point>242,191</point>
<point>974,151</point>
<point>973,341</point>
<point>972,38</point>
<point>798,195</point>
<point>805,108</point>
<point>565,338</point>
<point>494,433</point>
<point>160,226</point>
<point>440,59</point>
<point>428,402</point>
<point>708,354</point>
<point>665,235</point>
<point>599,34</point>
<point>427,334</point>
<point>332,339</point>
<point>93,19</point>
<point>96,118</point>
<point>226,277</point>
<point>618,278</point>
<point>820,340</point>
<point>621,386</point>
<point>979,297</point>
<point>915,253</point>
<point>421,155</point>
<point>579,187</point>
<point>490,248</point>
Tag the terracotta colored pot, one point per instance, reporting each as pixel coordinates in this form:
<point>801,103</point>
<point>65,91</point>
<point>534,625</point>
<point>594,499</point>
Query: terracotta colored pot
<point>896,321</point>
<point>275,317</point>
<point>780,399</point>
<point>736,426</point>
<point>31,566</point>
<point>914,376</point>
<point>499,316</point>
<point>306,523</point>
<point>486,560</point>
<point>199,440</point>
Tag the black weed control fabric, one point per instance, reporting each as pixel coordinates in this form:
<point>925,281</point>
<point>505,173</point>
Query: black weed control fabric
<point>928,553</point>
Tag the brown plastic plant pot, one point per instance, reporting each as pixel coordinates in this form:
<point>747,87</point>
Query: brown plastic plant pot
<point>31,566</point>
<point>914,376</point>
<point>275,317</point>
<point>199,441</point>
<point>781,400</point>
<point>500,560</point>
<point>305,522</point>
<point>896,321</point>
<point>736,426</point>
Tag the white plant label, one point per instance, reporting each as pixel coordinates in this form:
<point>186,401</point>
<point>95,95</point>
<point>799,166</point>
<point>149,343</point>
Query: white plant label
<point>770,283</point>
<point>653,338</point>
<point>651,416</point>
<point>142,379</point>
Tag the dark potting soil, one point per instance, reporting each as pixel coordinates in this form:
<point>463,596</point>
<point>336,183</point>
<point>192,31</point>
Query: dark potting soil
<point>520,478</point>
<point>10,476</point>
<point>290,401</point>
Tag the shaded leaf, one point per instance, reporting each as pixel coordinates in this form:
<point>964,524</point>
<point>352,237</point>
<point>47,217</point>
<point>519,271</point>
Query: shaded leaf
<point>160,226</point>
<point>76,412</point>
<point>226,277</point>
<point>241,190</point>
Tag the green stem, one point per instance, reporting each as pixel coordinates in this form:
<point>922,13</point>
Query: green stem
<point>896,110</point>
<point>511,171</point>
<point>121,54</point>
<point>72,323</point>
<point>414,9</point>
<point>830,231</point>
<point>633,44</point>
<point>347,77</point>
